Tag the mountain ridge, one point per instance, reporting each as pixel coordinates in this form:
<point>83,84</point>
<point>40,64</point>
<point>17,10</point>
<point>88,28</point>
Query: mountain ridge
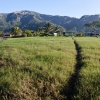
<point>33,20</point>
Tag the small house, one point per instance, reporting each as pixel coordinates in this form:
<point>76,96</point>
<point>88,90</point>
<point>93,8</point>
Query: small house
<point>55,34</point>
<point>69,33</point>
<point>6,35</point>
<point>92,34</point>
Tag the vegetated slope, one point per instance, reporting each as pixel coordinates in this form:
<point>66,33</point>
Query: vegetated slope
<point>89,75</point>
<point>36,68</point>
<point>33,20</point>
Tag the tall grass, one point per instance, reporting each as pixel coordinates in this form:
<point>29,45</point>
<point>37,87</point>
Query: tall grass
<point>35,68</point>
<point>89,87</point>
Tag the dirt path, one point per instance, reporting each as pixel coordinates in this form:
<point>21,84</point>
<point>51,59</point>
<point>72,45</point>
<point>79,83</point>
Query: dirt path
<point>70,90</point>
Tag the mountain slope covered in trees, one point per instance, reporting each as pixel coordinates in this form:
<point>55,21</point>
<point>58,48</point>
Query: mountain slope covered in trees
<point>33,20</point>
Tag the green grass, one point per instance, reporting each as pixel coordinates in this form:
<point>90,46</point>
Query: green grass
<point>36,68</point>
<point>89,87</point>
<point>39,68</point>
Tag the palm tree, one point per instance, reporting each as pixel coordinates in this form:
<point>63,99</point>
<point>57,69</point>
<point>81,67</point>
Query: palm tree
<point>16,31</point>
<point>56,29</point>
<point>48,27</point>
<point>40,31</point>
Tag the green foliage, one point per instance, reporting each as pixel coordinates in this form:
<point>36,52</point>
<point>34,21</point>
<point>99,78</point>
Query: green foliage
<point>80,34</point>
<point>93,26</point>
<point>16,31</point>
<point>28,33</point>
<point>1,34</point>
<point>50,28</point>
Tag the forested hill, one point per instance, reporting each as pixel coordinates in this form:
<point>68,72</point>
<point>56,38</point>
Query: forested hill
<point>33,20</point>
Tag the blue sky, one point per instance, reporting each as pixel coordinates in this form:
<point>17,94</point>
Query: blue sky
<point>72,8</point>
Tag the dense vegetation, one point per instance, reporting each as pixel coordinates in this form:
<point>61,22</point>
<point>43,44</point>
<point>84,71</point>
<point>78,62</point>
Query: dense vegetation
<point>48,30</point>
<point>46,68</point>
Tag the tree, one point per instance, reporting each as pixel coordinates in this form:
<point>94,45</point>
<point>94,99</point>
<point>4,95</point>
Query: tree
<point>93,26</point>
<point>40,31</point>
<point>16,31</point>
<point>56,29</point>
<point>46,30</point>
<point>49,28</point>
<point>28,33</point>
<point>1,34</point>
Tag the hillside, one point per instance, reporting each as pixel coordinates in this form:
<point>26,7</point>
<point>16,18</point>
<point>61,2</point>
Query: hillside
<point>32,20</point>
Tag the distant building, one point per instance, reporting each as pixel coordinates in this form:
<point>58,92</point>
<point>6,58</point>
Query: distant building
<point>92,34</point>
<point>69,33</point>
<point>6,35</point>
<point>55,34</point>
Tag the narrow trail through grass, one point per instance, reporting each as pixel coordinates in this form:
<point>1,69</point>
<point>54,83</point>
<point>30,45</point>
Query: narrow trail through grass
<point>88,87</point>
<point>70,90</point>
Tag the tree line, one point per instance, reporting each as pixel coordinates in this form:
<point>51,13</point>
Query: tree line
<point>93,27</point>
<point>47,30</point>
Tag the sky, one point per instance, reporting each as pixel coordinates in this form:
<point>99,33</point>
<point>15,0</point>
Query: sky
<point>72,8</point>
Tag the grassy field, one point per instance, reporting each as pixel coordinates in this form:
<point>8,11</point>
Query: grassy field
<point>36,68</point>
<point>50,68</point>
<point>89,75</point>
